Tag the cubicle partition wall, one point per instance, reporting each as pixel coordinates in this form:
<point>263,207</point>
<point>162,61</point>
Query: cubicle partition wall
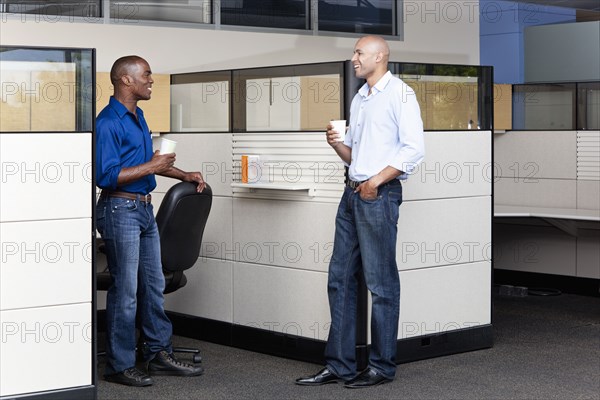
<point>547,183</point>
<point>47,306</point>
<point>261,280</point>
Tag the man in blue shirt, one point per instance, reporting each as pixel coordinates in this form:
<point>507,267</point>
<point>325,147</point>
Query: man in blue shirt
<point>125,171</point>
<point>383,145</point>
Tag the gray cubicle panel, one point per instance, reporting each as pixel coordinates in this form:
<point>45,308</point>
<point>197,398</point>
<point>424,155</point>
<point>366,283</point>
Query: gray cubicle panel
<point>261,280</point>
<point>47,306</point>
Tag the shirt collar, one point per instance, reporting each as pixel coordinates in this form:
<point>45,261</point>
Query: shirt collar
<point>120,109</point>
<point>379,86</point>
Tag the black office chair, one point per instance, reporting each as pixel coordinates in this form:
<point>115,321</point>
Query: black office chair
<point>181,220</point>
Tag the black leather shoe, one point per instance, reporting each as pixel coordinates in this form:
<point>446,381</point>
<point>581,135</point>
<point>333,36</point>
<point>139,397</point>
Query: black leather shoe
<point>130,377</point>
<point>321,378</point>
<point>166,364</point>
<point>369,377</point>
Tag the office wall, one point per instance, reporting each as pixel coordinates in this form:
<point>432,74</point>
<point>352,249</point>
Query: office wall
<point>433,32</point>
<point>502,26</point>
<point>563,53</point>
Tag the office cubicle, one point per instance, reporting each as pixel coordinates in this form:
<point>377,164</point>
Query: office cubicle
<point>261,280</point>
<point>47,296</point>
<point>556,106</point>
<point>547,188</point>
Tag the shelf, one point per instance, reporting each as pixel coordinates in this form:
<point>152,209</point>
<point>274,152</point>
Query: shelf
<point>543,212</point>
<point>275,186</point>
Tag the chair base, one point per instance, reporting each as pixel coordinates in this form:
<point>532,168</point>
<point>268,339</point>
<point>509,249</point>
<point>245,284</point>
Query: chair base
<point>196,357</point>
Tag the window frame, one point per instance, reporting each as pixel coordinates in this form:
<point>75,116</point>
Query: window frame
<point>215,24</point>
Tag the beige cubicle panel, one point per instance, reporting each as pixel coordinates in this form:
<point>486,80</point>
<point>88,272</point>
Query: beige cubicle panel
<point>502,107</point>
<point>320,101</point>
<point>157,110</point>
<point>37,97</point>
<point>446,104</point>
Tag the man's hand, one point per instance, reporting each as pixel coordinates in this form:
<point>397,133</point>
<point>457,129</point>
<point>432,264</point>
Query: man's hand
<point>340,148</point>
<point>333,136</point>
<point>367,190</point>
<point>197,178</point>
<point>162,163</point>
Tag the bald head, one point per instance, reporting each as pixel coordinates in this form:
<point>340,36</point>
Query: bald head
<point>370,59</point>
<point>375,44</point>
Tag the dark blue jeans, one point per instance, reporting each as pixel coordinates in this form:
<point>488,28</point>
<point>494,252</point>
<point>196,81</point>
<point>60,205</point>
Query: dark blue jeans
<point>132,244</point>
<point>365,242</point>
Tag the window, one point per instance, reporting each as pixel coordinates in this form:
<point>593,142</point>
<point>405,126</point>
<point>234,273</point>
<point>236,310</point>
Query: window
<point>129,11</point>
<point>588,106</point>
<point>382,17</point>
<point>200,102</point>
<point>451,97</point>
<point>544,106</point>
<point>290,14</point>
<point>290,98</point>
<point>46,90</point>
<point>53,11</point>
<point>301,98</point>
<point>358,16</point>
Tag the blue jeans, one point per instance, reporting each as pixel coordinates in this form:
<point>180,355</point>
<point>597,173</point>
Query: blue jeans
<point>365,242</point>
<point>132,244</point>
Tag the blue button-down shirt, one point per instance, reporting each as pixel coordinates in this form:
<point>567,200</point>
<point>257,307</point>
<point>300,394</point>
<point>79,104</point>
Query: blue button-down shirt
<point>385,129</point>
<point>122,140</point>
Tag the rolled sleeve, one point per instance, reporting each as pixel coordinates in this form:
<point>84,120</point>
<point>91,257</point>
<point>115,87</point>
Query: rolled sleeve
<point>410,133</point>
<point>108,159</point>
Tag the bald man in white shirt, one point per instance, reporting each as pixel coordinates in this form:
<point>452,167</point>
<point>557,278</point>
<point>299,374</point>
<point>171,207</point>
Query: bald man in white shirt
<point>383,145</point>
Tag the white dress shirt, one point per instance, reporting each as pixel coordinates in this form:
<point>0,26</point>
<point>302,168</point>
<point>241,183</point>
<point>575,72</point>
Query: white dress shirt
<point>385,129</point>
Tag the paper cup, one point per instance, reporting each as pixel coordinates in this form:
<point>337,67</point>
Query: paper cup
<point>167,146</point>
<point>339,125</point>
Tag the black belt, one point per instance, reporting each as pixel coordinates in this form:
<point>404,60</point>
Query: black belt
<point>146,198</point>
<point>354,184</point>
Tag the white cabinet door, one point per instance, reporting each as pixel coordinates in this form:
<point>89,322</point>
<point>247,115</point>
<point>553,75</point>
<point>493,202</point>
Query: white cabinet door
<point>273,104</point>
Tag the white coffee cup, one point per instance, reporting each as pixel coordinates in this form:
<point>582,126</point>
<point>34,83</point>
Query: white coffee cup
<point>339,125</point>
<point>167,146</point>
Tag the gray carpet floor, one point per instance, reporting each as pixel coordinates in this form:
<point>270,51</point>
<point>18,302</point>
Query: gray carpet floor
<point>544,348</point>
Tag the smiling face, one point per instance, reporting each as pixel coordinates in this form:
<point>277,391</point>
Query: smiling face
<point>141,80</point>
<point>370,57</point>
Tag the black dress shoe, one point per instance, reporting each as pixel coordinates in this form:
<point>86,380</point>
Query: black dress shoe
<point>166,364</point>
<point>369,377</point>
<point>130,377</point>
<point>321,378</point>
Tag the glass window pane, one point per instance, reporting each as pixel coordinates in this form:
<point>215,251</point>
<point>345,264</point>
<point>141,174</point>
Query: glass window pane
<point>544,106</point>
<point>358,16</point>
<point>450,97</point>
<point>589,106</point>
<point>128,11</point>
<point>290,14</point>
<point>46,90</point>
<point>51,11</point>
<point>296,98</point>
<point>200,102</point>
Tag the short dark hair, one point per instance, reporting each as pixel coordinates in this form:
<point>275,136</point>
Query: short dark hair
<point>123,67</point>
